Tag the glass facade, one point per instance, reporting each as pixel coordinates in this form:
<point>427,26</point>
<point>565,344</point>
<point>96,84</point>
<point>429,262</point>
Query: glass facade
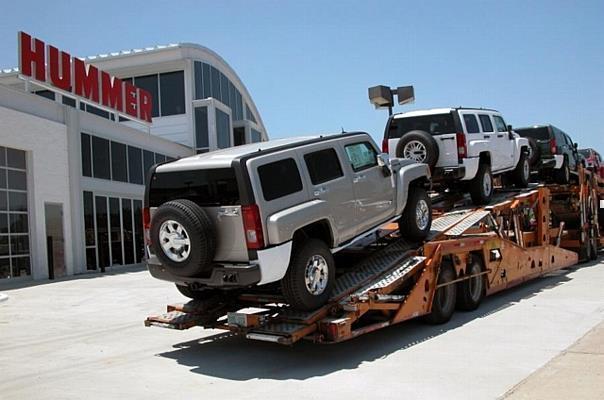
<point>223,130</point>
<point>14,218</point>
<point>167,90</point>
<point>202,141</point>
<point>114,232</point>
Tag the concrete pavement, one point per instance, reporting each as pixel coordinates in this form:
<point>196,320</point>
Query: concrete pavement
<point>84,338</point>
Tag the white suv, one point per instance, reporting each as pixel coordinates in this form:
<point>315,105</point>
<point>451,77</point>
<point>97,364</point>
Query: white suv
<point>461,145</point>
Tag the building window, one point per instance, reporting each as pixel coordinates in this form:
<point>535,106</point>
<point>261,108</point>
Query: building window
<point>201,128</point>
<point>149,160</point>
<point>127,232</point>
<point>159,158</point>
<point>86,155</point>
<point>207,82</point>
<point>215,83</point>
<point>223,130</point>
<point>256,136</point>
<point>89,232</point>
<point>210,82</point>
<point>14,218</point>
<point>238,136</point>
<point>149,83</point>
<point>46,94</point>
<point>172,89</point>
<point>96,111</point>
<point>135,165</point>
<point>116,231</point>
<point>101,158</point>
<point>249,115</point>
<point>68,101</point>
<point>138,230</point>
<point>119,162</point>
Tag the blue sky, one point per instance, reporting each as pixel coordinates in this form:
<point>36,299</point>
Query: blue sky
<point>308,64</point>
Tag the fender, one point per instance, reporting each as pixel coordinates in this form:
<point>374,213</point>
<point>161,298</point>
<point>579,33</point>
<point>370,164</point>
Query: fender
<point>520,144</point>
<point>407,174</point>
<point>475,147</point>
<point>280,226</point>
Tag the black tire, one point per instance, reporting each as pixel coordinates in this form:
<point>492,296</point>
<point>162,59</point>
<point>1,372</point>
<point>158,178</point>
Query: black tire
<point>443,303</point>
<point>478,190</point>
<point>199,230</point>
<point>195,294</point>
<point>471,292</point>
<point>522,172</point>
<point>535,153</point>
<point>409,225</point>
<point>562,175</point>
<point>426,140</point>
<point>293,284</point>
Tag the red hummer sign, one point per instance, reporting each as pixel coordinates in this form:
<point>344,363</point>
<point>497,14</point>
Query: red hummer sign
<point>47,64</point>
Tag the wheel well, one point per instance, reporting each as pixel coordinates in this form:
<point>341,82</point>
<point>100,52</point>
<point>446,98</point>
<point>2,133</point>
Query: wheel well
<point>422,182</point>
<point>485,157</point>
<point>318,230</point>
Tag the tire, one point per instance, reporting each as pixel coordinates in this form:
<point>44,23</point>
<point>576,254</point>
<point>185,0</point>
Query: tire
<point>416,220</point>
<point>195,228</point>
<point>562,176</point>
<point>535,154</point>
<point>480,191</point>
<point>522,172</point>
<point>195,294</point>
<point>309,254</point>
<point>471,292</point>
<point>443,303</point>
<point>418,146</point>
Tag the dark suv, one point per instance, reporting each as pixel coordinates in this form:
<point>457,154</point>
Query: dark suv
<point>553,153</point>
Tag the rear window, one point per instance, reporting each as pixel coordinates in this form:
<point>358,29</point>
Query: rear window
<point>436,124</point>
<point>323,166</point>
<point>279,179</point>
<point>541,133</point>
<point>206,187</point>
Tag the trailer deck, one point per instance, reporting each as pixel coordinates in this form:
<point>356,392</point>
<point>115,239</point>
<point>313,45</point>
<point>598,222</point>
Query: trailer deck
<point>522,235</point>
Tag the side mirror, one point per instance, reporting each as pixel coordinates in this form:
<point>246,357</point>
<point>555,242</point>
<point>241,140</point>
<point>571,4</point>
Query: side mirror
<point>383,159</point>
<point>576,146</point>
<point>510,132</point>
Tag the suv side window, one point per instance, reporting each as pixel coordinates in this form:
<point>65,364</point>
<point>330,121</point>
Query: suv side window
<point>485,122</point>
<point>323,166</point>
<point>471,123</point>
<point>500,124</point>
<point>279,178</point>
<point>361,155</point>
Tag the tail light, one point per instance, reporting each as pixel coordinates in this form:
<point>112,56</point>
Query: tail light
<point>147,225</point>
<point>252,224</point>
<point>462,148</point>
<point>553,145</point>
<point>385,145</point>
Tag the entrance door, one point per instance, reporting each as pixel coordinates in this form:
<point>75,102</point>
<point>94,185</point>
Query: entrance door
<point>55,244</point>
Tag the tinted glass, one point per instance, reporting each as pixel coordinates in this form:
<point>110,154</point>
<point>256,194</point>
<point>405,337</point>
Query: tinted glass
<point>17,201</point>
<point>102,233</point>
<point>2,178</point>
<point>86,156</point>
<point>97,111</point>
<point>485,122</point>
<point>232,97</point>
<point>3,156</point>
<point>21,266</point>
<point>238,106</point>
<point>198,80</point>
<point>249,115</point>
<point>15,158</point>
<point>239,136</point>
<point>149,83</point>
<point>89,219</point>
<point>19,245</point>
<point>135,165</point>
<point>541,133</point>
<point>127,231</point>
<point>434,124</point>
<point>4,248</point>
<point>206,187</point>
<point>68,101</point>
<point>279,178</point>
<point>361,156</point>
<point>471,123</point>
<point>500,124</point>
<point>3,200</point>
<point>223,129</point>
<point>3,223</point>
<point>323,166</point>
<point>5,271</point>
<point>18,223</point>
<point>207,81</point>
<point>17,180</point>
<point>201,127</point>
<point>139,249</point>
<point>159,158</point>
<point>256,136</point>
<point>116,231</point>
<point>224,89</point>
<point>172,93</point>
<point>119,162</point>
<point>100,158</point>
<point>46,93</point>
<point>148,160</point>
<point>91,259</point>
<point>215,83</point>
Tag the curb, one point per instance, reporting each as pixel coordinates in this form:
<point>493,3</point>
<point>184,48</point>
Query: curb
<point>3,297</point>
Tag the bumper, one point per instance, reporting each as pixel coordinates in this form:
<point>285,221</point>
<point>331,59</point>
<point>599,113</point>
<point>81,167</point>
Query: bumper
<point>448,173</point>
<point>554,162</point>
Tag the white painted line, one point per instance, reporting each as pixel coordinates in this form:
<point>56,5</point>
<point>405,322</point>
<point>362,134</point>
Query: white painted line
<point>3,297</point>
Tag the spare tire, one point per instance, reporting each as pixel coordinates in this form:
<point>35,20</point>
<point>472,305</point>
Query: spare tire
<point>535,152</point>
<point>418,146</point>
<point>183,238</point>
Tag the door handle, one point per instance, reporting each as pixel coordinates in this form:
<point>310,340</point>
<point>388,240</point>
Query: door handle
<point>486,137</point>
<point>320,191</point>
<point>447,138</point>
<point>358,178</point>
<point>500,136</point>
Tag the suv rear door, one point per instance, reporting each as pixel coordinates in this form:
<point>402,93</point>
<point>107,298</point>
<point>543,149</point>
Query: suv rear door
<point>327,181</point>
<point>373,192</point>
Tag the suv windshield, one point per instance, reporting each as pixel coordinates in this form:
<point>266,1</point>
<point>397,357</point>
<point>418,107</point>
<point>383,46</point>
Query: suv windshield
<point>436,124</point>
<point>541,133</point>
<point>206,187</point>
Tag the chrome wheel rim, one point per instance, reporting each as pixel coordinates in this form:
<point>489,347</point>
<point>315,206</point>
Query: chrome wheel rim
<point>416,151</point>
<point>316,275</point>
<point>174,240</point>
<point>422,215</point>
<point>487,184</point>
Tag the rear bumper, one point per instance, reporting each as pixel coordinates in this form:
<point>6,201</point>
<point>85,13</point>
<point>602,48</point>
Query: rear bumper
<point>553,162</point>
<point>448,173</point>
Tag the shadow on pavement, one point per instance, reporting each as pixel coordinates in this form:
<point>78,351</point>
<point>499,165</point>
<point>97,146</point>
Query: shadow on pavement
<point>232,357</point>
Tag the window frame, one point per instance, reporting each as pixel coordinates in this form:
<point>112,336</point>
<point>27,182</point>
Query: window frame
<point>505,127</point>
<point>488,117</point>
<point>364,167</point>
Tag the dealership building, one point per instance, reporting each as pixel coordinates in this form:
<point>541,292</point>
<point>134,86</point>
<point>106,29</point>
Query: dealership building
<point>72,168</point>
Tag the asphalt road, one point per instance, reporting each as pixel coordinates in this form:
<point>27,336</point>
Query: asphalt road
<point>84,338</point>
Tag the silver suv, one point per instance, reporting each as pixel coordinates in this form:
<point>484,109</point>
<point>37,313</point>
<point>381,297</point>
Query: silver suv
<point>276,212</point>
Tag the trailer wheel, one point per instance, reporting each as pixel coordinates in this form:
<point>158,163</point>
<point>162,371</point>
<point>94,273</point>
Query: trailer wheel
<point>471,292</point>
<point>310,276</point>
<point>443,303</point>
<point>416,220</point>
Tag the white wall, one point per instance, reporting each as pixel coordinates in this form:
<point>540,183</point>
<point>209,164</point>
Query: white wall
<point>45,142</point>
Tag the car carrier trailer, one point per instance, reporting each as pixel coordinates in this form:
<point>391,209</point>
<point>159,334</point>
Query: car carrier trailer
<point>471,253</point>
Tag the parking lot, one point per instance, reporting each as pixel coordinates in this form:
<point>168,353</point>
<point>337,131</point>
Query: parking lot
<point>84,338</point>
